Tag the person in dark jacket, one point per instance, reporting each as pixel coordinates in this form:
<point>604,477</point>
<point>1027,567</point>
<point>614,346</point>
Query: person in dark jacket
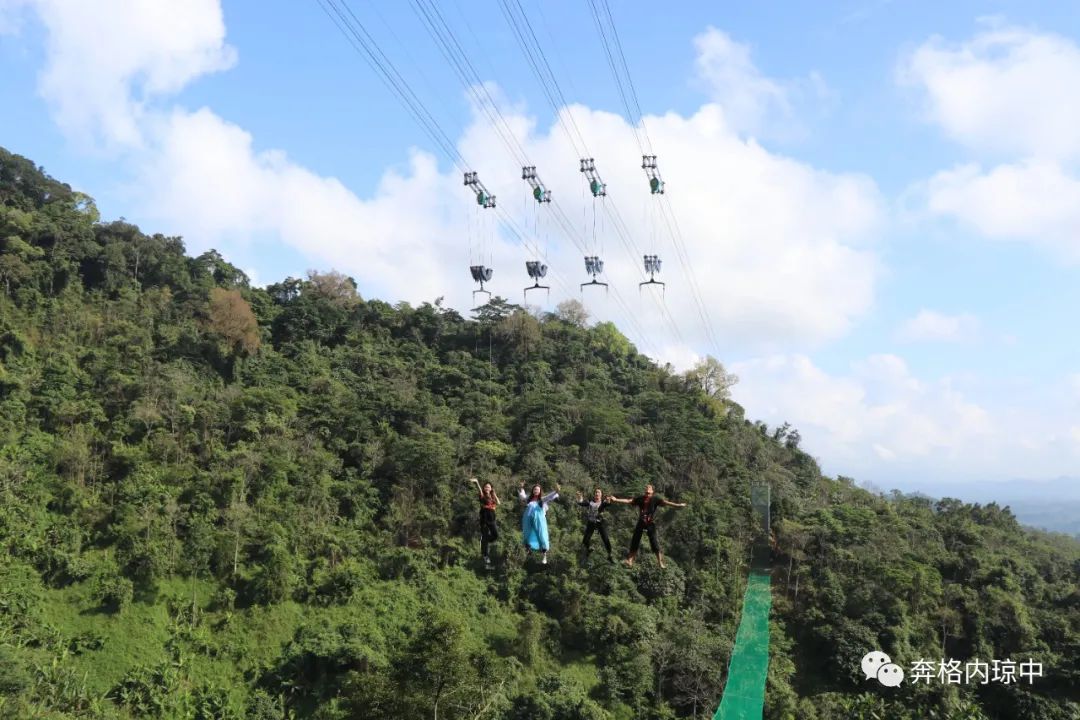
<point>647,505</point>
<point>594,520</point>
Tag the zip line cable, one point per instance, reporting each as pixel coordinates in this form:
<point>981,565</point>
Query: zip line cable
<point>541,64</point>
<point>626,71</point>
<point>678,241</point>
<point>361,40</point>
<point>364,47</point>
<point>354,31</point>
<point>671,222</point>
<point>615,73</point>
<point>631,103</point>
<point>628,93</point>
<point>537,58</point>
<point>452,50</point>
<point>617,223</point>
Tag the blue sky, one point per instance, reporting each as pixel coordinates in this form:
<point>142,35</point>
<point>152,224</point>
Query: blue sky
<point>876,196</point>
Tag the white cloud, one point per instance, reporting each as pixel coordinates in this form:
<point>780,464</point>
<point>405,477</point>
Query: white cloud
<point>206,179</point>
<point>930,325</point>
<point>779,248</point>
<point>1006,90</point>
<point>864,11</point>
<point>1074,386</point>
<point>1004,94</point>
<point>752,103</point>
<point>680,357</point>
<point>787,269</point>
<point>786,266</point>
<point>735,83</point>
<point>108,60</point>
<point>879,422</point>
<point>883,452</point>
<point>11,16</point>
<point>1033,202</point>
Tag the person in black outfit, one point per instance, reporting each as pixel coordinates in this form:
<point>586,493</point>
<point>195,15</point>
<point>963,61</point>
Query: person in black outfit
<point>594,520</point>
<point>648,505</point>
<point>489,531</point>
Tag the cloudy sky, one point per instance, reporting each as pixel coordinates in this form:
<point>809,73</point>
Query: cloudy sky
<point>872,215</point>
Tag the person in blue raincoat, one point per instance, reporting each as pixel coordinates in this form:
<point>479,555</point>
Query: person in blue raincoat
<point>534,527</point>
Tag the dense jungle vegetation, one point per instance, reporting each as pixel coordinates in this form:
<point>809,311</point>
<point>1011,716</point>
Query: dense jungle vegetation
<point>222,501</point>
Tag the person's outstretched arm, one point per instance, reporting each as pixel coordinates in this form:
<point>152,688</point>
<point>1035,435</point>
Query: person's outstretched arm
<point>581,500</point>
<point>521,493</point>
<point>668,503</point>
<point>479,490</point>
<point>553,495</point>
<point>620,501</point>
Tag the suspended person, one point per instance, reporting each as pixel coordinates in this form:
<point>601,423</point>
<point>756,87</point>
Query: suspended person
<point>489,531</point>
<point>534,527</point>
<point>647,504</point>
<point>594,520</point>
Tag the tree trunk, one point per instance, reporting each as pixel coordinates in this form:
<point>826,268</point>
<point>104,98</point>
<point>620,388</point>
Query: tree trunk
<point>438,697</point>
<point>236,555</point>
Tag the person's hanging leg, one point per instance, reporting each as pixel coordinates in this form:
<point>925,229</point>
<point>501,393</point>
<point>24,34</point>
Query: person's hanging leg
<point>635,543</point>
<point>531,531</point>
<point>489,533</point>
<point>525,530</point>
<point>542,534</point>
<point>586,542</point>
<point>605,540</point>
<point>654,543</point>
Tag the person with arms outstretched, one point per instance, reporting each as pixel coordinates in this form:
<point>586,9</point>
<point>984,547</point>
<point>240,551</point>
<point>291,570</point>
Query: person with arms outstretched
<point>594,520</point>
<point>489,531</point>
<point>647,505</point>
<point>534,528</point>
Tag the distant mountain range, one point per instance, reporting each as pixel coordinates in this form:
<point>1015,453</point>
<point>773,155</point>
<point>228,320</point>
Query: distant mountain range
<point>1047,504</point>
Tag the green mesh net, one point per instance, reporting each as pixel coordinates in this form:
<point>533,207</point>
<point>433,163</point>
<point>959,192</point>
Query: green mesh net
<point>744,693</point>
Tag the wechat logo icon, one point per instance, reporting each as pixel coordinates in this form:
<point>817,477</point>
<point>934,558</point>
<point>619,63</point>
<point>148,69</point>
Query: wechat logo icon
<point>878,665</point>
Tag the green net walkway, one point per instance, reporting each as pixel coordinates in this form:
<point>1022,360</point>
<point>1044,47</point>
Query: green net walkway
<point>744,694</point>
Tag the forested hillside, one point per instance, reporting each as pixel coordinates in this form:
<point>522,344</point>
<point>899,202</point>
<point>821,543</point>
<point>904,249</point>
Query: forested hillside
<point>220,501</point>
